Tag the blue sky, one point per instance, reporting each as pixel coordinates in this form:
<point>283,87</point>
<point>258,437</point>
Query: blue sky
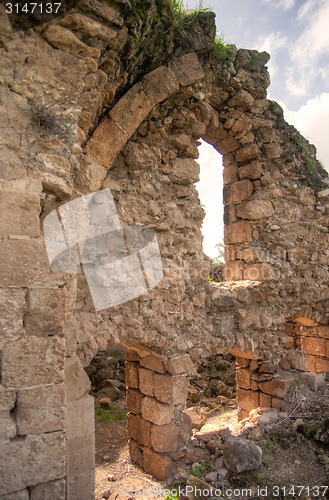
<point>296,34</point>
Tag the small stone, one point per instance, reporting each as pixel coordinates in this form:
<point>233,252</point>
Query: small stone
<point>211,477</point>
<point>105,403</point>
<point>111,477</point>
<point>241,455</point>
<point>274,227</point>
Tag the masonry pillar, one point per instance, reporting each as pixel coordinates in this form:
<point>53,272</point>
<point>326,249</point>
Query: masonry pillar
<point>156,395</point>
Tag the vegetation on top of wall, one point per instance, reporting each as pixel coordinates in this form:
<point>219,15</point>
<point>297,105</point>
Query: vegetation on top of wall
<point>223,50</point>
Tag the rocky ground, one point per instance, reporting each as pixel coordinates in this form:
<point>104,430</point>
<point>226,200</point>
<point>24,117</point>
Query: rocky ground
<point>286,450</point>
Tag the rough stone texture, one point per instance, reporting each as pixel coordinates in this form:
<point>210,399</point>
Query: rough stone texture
<point>159,465</point>
<point>52,489</point>
<point>171,390</point>
<point>241,455</point>
<point>156,412</point>
<point>164,438</point>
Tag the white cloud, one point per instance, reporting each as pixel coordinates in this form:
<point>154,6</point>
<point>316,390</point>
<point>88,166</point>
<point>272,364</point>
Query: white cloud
<point>312,121</point>
<point>311,46</point>
<point>285,4</point>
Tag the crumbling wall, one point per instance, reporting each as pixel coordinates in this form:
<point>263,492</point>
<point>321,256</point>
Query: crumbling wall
<point>114,99</point>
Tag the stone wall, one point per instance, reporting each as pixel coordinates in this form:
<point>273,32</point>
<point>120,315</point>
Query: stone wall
<point>109,98</point>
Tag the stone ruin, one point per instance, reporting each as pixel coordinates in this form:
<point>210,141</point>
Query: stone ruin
<point>114,96</point>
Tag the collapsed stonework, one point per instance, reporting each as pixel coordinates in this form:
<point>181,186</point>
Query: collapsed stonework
<point>112,96</point>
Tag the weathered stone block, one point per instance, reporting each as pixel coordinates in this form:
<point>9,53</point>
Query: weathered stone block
<point>160,466</point>
<point>171,390</point>
<point>135,452</point>
<point>230,174</point>
<point>164,438</point>
<point>243,378</point>
<point>315,346</point>
<point>80,455</point>
<point>233,271</point>
<point>242,363</point>
<point>104,11</point>
<point>153,362</point>
<point>40,409</point>
<point>53,490</point>
<point>272,151</point>
<point>265,400</point>
<point>13,310</point>
<point>242,99</point>
<point>139,429</point>
<point>241,190</point>
<point>187,69</point>
<point>254,210</point>
<point>45,312</point>
<point>321,365</point>
<point>61,38</point>
<point>134,401</point>
<point>252,171</point>
<point>132,374</point>
<point>322,331</point>
<point>248,153</point>
<point>131,109</point>
<point>90,175</point>
<point>40,361</point>
<point>276,387</point>
<point>7,424</point>
<point>18,495</point>
<point>146,383</point>
<point>247,400</point>
<point>185,171</point>
<point>156,412</point>
<point>106,142</point>
<point>181,364</point>
<point>227,145</point>
<point>88,26</point>
<point>77,383</point>
<point>19,213</point>
<point>55,164</point>
<point>81,485</point>
<point>79,419</point>
<point>160,83</point>
<point>24,263</point>
<point>17,468</point>
<point>239,232</point>
<point>258,272</point>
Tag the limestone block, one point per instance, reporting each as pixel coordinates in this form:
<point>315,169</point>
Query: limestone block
<point>131,109</point>
<point>247,400</point>
<point>17,468</point>
<point>234,271</point>
<point>171,390</point>
<point>79,419</point>
<point>252,171</point>
<point>185,171</point>
<point>265,400</point>
<point>61,38</point>
<point>139,429</point>
<point>146,383</point>
<point>33,361</point>
<point>13,309</point>
<point>77,383</point>
<point>243,378</point>
<point>187,69</point>
<point>134,401</point>
<point>153,362</point>
<point>24,263</point>
<point>80,454</point>
<point>90,175</point>
<point>7,424</point>
<point>88,26</point>
<point>106,142</point>
<point>159,84</point>
<point>59,187</point>
<point>322,331</point>
<point>18,495</point>
<point>102,10</point>
<point>156,412</point>
<point>230,174</point>
<point>248,153</point>
<point>239,232</point>
<point>258,272</point>
<point>40,409</point>
<point>81,486</point>
<point>315,380</point>
<point>45,311</point>
<point>242,99</point>
<point>19,214</point>
<point>181,364</point>
<point>321,365</point>
<point>160,466</point>
<point>297,359</point>
<point>315,346</point>
<point>276,387</point>
<point>254,210</point>
<point>164,438</point>
<point>53,490</point>
<point>242,190</point>
<point>272,151</point>
<point>55,164</point>
<point>227,145</point>
<point>132,374</point>
<point>140,156</point>
<point>135,452</point>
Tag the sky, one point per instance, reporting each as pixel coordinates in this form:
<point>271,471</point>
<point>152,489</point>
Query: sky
<point>296,34</point>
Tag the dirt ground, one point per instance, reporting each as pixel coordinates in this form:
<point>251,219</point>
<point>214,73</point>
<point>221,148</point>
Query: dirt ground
<point>293,456</point>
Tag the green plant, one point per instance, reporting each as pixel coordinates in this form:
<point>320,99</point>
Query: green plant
<point>206,464</point>
<point>210,280</point>
<point>196,471</point>
<point>253,57</point>
<point>172,496</point>
<point>184,15</point>
<point>223,50</point>
<point>110,415</point>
